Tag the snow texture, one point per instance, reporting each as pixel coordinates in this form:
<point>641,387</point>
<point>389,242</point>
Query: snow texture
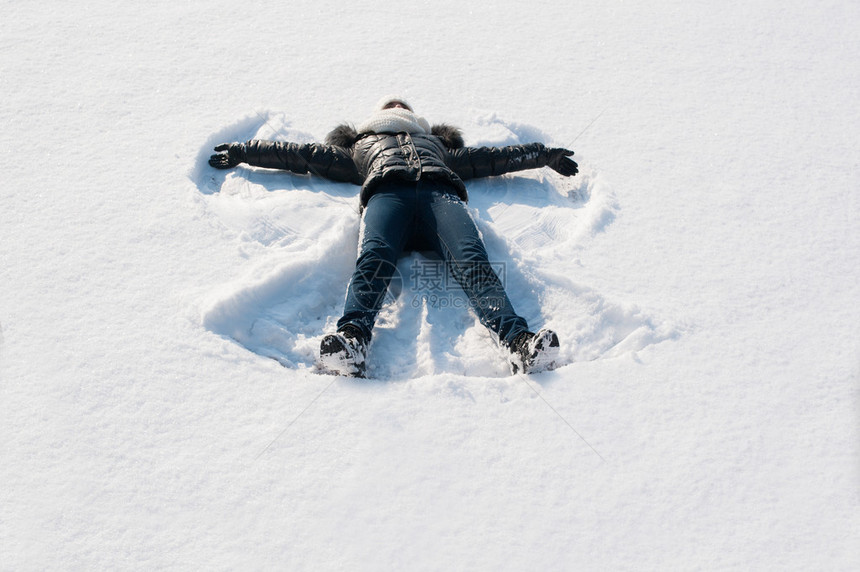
<point>159,318</point>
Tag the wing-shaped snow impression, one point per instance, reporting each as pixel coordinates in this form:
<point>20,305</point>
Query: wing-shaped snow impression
<point>302,231</point>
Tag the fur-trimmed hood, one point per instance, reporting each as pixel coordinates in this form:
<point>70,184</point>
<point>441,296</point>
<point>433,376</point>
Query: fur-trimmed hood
<point>345,135</point>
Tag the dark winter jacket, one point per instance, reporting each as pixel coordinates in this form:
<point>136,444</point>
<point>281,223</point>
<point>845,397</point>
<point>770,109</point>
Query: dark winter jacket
<point>369,159</point>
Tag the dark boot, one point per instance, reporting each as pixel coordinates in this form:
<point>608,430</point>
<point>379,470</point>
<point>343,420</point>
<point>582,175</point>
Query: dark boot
<point>533,353</point>
<point>344,352</point>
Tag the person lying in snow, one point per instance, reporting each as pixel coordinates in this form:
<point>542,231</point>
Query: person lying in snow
<point>412,198</point>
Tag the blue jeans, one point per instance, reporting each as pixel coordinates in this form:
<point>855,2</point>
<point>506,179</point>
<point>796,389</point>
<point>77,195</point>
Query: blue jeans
<point>425,216</point>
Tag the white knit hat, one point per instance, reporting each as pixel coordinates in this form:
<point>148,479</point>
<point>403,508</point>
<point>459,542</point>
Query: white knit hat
<point>389,98</point>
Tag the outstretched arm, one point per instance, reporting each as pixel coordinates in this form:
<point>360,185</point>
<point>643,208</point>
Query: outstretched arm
<point>327,161</point>
<point>472,162</point>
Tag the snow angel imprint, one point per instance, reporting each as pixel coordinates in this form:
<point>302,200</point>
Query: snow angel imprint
<point>412,199</point>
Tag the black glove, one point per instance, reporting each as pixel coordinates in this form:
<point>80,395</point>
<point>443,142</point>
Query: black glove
<point>235,154</point>
<point>557,159</point>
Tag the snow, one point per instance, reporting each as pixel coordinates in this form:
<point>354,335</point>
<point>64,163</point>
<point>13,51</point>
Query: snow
<point>158,318</point>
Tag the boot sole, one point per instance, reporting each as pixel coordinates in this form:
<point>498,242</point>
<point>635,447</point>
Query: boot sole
<point>337,357</point>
